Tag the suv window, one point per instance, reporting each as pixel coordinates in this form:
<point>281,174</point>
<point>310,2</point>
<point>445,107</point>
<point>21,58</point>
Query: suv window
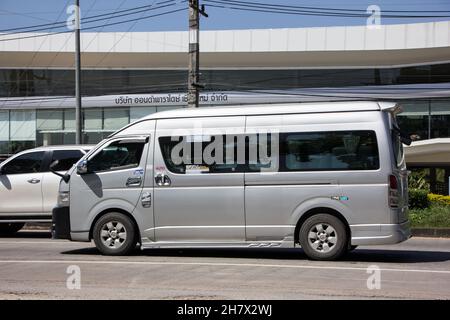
<point>123,154</point>
<point>26,163</point>
<point>66,158</point>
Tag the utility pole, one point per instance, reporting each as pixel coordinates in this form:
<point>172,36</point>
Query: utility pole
<point>194,52</point>
<point>78,114</point>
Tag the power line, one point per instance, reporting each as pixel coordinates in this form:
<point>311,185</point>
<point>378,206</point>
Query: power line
<point>104,25</point>
<point>98,26</point>
<point>108,24</point>
<point>50,29</point>
<point>233,87</point>
<point>102,19</point>
<point>277,6</point>
<point>114,14</point>
<point>276,9</point>
<point>250,4</point>
<point>123,34</point>
<point>106,54</point>
<point>67,70</point>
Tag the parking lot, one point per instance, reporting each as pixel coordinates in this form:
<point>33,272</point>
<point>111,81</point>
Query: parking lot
<point>32,266</point>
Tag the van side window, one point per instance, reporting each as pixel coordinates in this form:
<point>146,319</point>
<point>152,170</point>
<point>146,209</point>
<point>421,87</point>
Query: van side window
<point>260,156</point>
<point>26,163</point>
<point>181,154</point>
<point>323,151</point>
<point>118,155</point>
<point>294,151</point>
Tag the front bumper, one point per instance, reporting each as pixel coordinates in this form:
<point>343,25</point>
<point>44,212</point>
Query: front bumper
<point>374,234</point>
<point>61,223</point>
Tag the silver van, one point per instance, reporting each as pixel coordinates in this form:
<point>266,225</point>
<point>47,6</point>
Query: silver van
<point>325,177</point>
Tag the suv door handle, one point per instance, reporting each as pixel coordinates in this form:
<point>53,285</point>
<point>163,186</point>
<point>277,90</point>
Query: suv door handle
<point>134,182</point>
<point>34,181</point>
<point>162,180</point>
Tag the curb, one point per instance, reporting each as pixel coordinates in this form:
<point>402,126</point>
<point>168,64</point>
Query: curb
<point>34,226</point>
<point>431,232</point>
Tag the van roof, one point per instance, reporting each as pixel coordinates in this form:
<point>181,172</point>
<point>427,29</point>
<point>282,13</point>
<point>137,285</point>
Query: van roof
<point>266,109</point>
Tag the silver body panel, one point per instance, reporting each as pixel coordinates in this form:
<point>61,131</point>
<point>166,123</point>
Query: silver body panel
<point>249,209</point>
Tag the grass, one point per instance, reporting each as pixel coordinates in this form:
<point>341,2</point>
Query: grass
<point>435,216</point>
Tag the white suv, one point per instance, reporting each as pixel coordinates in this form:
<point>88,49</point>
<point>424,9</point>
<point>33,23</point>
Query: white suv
<point>28,190</point>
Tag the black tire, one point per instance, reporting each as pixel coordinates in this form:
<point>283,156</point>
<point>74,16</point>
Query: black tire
<point>325,249</point>
<point>125,246</point>
<point>10,228</point>
<point>352,248</point>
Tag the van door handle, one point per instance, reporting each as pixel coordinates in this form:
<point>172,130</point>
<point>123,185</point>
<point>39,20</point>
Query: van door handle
<point>134,182</point>
<point>34,181</point>
<point>162,180</point>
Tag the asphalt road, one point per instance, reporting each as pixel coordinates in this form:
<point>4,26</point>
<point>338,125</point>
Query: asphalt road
<point>32,266</point>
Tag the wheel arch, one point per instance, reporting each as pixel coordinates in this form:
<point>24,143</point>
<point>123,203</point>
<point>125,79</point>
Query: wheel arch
<point>317,210</point>
<point>118,210</point>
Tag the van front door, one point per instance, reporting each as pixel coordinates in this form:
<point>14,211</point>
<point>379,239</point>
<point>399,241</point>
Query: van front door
<point>114,181</point>
<point>196,201</point>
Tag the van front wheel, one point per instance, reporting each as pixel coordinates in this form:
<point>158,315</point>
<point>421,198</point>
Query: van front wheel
<point>114,234</point>
<point>323,237</point>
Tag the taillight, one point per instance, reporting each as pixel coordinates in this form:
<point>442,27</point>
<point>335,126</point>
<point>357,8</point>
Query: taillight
<point>393,191</point>
<point>393,183</point>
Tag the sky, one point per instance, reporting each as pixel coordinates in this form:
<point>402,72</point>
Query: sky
<point>20,13</point>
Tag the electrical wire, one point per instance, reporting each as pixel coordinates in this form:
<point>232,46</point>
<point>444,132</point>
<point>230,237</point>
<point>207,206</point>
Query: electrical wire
<point>249,7</point>
<point>114,14</point>
<point>277,5</point>
<point>97,26</point>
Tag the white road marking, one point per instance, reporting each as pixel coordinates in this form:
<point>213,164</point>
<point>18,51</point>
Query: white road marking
<point>216,264</point>
<point>40,242</point>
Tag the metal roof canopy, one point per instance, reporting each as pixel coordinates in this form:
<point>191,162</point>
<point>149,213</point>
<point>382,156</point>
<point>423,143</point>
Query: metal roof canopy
<point>329,47</point>
<point>429,152</point>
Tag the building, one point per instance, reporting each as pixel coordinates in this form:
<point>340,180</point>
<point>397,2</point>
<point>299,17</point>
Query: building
<point>128,75</point>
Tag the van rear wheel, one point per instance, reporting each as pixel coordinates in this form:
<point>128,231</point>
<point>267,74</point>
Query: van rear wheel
<point>10,228</point>
<point>323,237</point>
<point>115,234</point>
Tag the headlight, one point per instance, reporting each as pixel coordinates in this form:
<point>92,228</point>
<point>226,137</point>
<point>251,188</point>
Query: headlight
<point>63,199</point>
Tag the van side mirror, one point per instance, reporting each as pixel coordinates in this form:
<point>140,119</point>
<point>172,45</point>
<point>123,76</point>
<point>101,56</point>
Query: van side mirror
<point>82,167</point>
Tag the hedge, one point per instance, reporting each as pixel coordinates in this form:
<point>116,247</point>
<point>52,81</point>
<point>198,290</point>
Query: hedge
<point>418,199</point>
<point>440,199</point>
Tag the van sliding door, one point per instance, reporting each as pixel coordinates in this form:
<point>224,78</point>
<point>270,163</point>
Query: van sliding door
<point>196,200</point>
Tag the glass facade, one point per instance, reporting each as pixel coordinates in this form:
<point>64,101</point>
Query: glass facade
<point>426,119</point>
<point>48,82</point>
